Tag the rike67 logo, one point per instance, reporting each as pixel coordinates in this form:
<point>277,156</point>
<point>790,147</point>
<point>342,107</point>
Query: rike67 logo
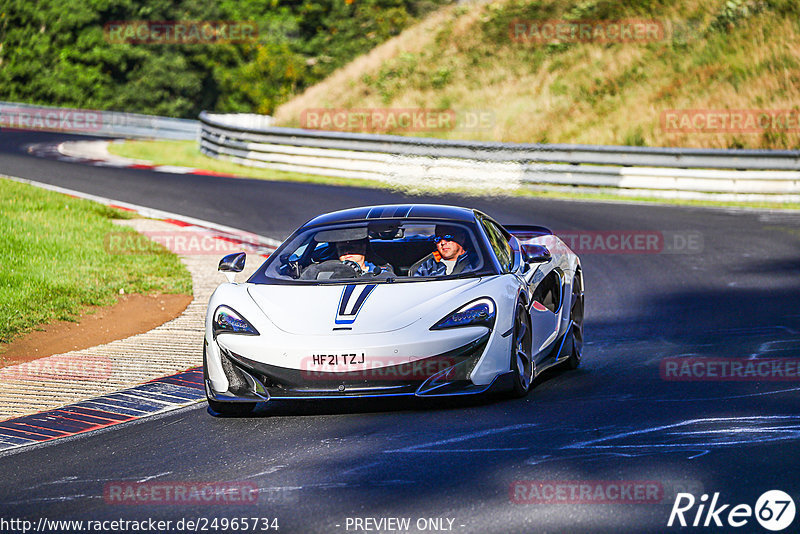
<point>774,510</point>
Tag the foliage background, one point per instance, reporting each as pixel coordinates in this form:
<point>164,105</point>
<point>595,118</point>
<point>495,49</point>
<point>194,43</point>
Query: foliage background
<point>55,52</point>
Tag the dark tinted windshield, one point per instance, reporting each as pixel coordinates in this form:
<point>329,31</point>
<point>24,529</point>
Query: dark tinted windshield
<point>401,250</point>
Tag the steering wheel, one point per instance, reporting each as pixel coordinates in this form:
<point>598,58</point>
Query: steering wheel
<point>354,265</point>
<point>331,269</point>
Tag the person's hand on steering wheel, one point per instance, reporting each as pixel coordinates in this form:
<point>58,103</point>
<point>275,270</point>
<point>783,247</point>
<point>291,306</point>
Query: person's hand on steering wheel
<point>354,265</point>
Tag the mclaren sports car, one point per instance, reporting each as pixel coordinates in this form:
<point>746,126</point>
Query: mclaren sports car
<point>388,301</point>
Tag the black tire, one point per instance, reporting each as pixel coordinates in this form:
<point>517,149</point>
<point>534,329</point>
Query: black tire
<point>576,322</point>
<point>231,408</point>
<point>521,360</point>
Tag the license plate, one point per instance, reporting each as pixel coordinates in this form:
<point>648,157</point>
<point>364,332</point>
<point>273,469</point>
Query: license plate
<point>325,360</point>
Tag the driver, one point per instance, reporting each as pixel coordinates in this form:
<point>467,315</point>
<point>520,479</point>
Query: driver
<point>356,252</point>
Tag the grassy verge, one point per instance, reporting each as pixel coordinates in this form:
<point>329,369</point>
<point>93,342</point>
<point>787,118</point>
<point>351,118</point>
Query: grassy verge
<point>478,57</point>
<point>186,153</point>
<point>55,262</point>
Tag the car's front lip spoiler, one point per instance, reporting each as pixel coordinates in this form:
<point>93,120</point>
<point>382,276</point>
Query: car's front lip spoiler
<point>227,396</point>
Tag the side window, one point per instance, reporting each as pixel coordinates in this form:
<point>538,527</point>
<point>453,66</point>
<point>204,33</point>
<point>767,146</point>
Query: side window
<point>500,245</point>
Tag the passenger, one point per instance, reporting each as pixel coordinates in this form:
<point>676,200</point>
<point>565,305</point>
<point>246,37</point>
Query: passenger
<point>450,256</point>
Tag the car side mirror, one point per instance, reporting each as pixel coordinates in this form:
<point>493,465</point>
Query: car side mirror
<point>536,254</point>
<point>232,264</point>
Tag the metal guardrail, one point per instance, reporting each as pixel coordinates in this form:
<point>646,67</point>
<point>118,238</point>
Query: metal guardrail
<point>663,172</point>
<point>492,151</point>
<point>96,122</point>
<point>249,139</point>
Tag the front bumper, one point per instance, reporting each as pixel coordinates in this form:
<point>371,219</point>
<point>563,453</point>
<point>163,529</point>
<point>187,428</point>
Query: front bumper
<point>445,374</point>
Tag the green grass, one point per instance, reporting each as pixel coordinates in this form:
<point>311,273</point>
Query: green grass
<point>611,196</point>
<point>54,262</point>
<point>712,54</point>
<point>186,153</point>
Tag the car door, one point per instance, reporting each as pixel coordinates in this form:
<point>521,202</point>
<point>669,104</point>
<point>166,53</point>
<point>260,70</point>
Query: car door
<point>544,283</point>
<point>544,311</point>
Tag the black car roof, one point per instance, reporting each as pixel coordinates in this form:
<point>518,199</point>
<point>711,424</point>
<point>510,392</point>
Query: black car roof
<point>395,211</point>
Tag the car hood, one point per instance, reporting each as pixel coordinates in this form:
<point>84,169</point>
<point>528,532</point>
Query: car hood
<point>364,308</point>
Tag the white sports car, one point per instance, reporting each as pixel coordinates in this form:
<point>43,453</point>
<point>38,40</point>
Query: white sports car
<point>418,300</point>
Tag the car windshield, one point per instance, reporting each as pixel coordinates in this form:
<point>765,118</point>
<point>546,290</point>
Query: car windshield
<point>377,251</point>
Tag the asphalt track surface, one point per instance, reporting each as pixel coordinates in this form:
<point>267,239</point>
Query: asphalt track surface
<point>615,419</point>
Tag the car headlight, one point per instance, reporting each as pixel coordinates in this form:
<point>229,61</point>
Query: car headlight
<point>228,321</point>
<point>479,312</point>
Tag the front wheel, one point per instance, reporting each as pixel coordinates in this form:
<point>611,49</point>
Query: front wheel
<point>576,322</point>
<point>521,360</point>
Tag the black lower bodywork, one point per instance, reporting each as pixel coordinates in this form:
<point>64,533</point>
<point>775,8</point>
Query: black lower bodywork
<point>439,375</point>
